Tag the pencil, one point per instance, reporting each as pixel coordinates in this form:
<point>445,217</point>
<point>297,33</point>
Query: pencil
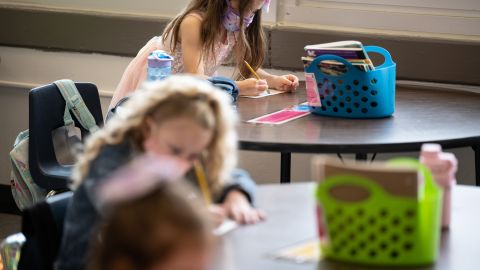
<point>254,73</point>
<point>202,183</point>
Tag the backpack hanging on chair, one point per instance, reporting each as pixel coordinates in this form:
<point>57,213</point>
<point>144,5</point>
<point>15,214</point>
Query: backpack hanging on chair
<point>24,189</point>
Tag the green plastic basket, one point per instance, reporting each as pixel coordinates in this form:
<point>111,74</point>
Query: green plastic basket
<point>382,229</point>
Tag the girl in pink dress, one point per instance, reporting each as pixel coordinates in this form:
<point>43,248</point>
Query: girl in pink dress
<point>206,35</point>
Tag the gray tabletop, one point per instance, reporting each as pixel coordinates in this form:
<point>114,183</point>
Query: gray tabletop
<point>291,220</point>
<point>450,118</point>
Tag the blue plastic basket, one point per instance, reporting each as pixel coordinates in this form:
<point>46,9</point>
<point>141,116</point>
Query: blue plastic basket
<point>356,93</point>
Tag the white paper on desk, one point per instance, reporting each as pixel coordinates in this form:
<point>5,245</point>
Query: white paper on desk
<point>303,252</point>
<point>264,94</point>
<point>224,228</point>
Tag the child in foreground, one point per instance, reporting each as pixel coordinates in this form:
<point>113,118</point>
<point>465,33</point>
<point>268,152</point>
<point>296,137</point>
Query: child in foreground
<point>151,221</point>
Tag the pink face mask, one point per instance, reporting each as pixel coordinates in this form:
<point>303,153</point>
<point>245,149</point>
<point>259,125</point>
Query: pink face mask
<point>231,18</point>
<point>266,6</point>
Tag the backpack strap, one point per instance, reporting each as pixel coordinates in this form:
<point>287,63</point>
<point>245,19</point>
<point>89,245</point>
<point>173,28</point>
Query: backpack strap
<point>226,84</point>
<point>116,109</point>
<point>75,103</point>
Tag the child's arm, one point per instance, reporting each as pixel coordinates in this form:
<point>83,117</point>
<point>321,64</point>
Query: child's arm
<point>238,208</point>
<point>237,199</point>
<point>190,29</point>
<point>287,82</point>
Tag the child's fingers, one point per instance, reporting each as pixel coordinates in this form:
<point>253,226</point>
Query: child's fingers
<point>252,218</point>
<point>261,88</point>
<point>236,216</point>
<point>256,216</point>
<point>247,218</point>
<point>261,214</point>
<point>292,77</point>
<point>284,80</point>
<point>217,213</point>
<point>296,84</point>
<point>262,82</point>
<point>295,81</point>
<point>262,85</point>
<point>286,87</point>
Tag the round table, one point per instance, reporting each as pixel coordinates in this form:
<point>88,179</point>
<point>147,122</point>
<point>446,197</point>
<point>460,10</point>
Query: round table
<point>291,221</point>
<point>448,117</point>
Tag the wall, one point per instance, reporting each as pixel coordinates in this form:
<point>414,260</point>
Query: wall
<point>140,8</point>
<point>100,28</point>
<point>458,18</point>
<point>442,18</point>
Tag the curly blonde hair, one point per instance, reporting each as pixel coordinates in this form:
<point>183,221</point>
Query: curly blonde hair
<point>176,96</point>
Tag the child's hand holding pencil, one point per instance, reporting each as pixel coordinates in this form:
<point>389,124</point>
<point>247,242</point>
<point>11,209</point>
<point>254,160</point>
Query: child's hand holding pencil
<point>285,83</point>
<point>252,87</point>
<point>235,206</point>
<point>254,73</point>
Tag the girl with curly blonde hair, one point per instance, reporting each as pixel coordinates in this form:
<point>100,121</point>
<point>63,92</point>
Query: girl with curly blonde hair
<point>182,117</point>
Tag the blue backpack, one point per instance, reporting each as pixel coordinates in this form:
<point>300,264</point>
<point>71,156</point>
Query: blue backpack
<point>226,84</point>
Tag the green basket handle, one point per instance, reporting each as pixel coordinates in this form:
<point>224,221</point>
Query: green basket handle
<point>376,192</point>
<point>431,189</point>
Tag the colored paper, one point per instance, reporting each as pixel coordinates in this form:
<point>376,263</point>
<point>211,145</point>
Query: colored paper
<point>279,117</point>
<point>227,226</point>
<point>265,94</point>
<point>305,252</point>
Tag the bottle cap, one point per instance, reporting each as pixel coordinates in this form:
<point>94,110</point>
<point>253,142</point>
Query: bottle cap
<point>431,148</point>
<point>159,59</point>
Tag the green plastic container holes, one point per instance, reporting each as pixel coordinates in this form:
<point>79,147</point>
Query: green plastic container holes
<point>382,229</point>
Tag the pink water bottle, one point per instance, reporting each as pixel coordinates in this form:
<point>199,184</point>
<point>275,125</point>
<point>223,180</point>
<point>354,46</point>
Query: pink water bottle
<point>443,166</point>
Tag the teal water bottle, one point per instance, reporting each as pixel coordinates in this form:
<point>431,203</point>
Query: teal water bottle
<point>159,65</point>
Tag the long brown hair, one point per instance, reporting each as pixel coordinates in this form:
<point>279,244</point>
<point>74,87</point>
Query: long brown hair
<point>250,45</point>
<point>144,231</point>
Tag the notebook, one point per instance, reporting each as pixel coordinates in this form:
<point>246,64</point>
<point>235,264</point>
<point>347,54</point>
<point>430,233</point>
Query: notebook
<point>350,50</point>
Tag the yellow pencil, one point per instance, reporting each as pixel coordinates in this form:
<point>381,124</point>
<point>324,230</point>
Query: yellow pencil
<point>202,183</point>
<point>254,73</point>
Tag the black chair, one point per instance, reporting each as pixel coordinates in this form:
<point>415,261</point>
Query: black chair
<point>47,107</point>
<point>42,225</point>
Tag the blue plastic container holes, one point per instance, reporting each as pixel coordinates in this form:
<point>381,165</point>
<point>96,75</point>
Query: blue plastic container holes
<point>356,93</point>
